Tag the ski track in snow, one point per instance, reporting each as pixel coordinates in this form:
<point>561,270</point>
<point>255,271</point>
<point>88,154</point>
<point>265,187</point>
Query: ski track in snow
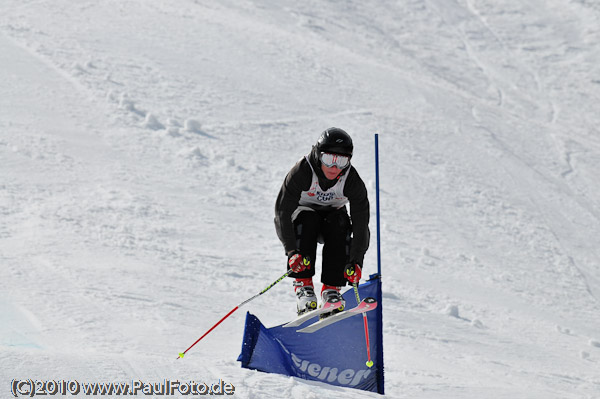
<point>142,145</point>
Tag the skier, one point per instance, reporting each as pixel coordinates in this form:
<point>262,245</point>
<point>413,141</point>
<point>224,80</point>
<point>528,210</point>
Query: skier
<point>311,208</point>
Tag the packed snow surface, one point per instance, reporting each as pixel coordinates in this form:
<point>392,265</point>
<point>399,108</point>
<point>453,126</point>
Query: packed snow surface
<point>143,143</point>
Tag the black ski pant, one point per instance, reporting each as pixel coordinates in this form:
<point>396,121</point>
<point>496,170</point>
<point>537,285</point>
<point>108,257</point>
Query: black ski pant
<point>334,230</point>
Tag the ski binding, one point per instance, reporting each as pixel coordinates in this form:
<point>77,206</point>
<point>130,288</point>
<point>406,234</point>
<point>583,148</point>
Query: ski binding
<point>327,307</point>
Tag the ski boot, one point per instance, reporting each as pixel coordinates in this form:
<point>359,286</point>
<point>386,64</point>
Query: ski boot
<point>305,295</point>
<point>330,293</point>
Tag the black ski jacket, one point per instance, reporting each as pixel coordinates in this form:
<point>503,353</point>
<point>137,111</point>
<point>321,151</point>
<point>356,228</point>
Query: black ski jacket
<point>299,179</point>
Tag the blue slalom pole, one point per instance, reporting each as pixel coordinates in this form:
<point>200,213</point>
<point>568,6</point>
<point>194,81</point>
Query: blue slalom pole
<point>377,204</point>
<point>379,326</point>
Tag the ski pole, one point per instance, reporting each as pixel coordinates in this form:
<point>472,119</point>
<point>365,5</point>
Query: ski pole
<point>366,324</point>
<point>233,310</point>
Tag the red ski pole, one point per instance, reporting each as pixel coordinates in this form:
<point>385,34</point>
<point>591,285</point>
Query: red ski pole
<point>366,325</point>
<point>233,310</point>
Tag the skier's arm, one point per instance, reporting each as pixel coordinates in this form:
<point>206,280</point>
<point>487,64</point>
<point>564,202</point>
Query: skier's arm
<point>356,192</point>
<point>296,181</point>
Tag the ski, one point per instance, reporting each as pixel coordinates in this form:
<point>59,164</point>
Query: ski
<point>327,307</point>
<point>365,305</point>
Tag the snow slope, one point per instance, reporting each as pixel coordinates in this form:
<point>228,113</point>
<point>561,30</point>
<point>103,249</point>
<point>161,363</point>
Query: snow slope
<point>142,145</point>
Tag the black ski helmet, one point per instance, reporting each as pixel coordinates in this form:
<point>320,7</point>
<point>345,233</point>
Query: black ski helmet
<point>335,141</point>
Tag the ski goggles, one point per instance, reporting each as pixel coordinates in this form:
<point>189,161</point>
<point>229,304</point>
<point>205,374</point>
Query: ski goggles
<point>331,160</point>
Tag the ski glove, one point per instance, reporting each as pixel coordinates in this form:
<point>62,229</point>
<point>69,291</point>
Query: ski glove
<point>297,262</point>
<point>353,273</point>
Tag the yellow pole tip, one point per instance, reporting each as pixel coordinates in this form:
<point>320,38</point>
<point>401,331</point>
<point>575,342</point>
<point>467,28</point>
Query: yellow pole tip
<point>370,363</point>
